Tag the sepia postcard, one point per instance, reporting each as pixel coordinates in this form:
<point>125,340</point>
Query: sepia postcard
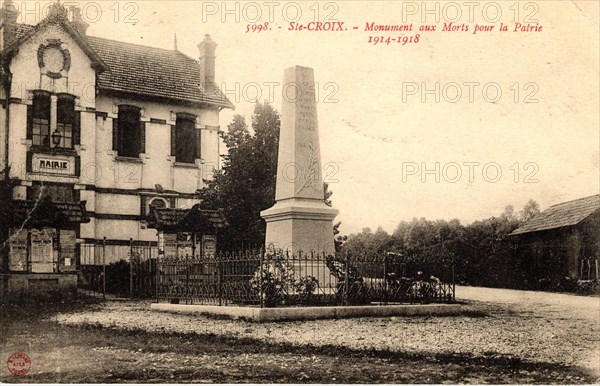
<point>300,192</point>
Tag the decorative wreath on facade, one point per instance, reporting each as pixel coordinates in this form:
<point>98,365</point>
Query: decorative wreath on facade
<point>54,59</point>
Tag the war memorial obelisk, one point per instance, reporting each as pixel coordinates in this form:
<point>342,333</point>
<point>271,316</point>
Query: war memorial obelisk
<point>300,220</point>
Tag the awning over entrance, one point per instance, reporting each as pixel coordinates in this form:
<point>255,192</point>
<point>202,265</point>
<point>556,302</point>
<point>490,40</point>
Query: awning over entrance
<point>186,220</point>
<point>44,212</point>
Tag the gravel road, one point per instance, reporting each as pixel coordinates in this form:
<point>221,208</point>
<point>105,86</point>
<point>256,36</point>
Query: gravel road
<point>536,327</point>
<point>578,307</point>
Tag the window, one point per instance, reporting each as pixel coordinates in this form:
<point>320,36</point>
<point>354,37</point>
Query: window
<point>41,127</point>
<point>66,122</point>
<point>128,132</point>
<point>158,203</point>
<point>185,139</point>
<point>39,120</point>
<point>149,202</point>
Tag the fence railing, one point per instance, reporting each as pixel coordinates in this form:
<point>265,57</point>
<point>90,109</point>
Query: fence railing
<point>118,270</point>
<point>256,278</point>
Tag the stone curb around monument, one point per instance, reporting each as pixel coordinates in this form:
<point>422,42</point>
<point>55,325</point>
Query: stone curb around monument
<point>308,313</point>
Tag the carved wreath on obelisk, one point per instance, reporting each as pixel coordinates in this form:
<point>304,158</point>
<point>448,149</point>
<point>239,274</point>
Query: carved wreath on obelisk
<point>309,172</point>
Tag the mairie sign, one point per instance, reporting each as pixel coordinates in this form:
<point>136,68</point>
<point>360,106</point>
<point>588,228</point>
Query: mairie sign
<point>53,164</point>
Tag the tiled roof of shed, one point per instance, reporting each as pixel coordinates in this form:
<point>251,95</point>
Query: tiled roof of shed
<point>48,212</point>
<point>149,71</point>
<point>561,215</point>
<point>185,219</point>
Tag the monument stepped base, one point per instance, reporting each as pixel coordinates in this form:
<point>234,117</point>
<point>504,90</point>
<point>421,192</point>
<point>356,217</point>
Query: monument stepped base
<point>310,313</point>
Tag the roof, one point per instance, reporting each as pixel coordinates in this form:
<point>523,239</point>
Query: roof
<point>145,71</point>
<point>153,72</point>
<point>47,212</point>
<point>566,214</point>
<point>185,220</point>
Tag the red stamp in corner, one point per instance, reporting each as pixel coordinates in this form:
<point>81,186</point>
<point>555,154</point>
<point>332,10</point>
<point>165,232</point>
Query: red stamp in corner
<point>18,364</point>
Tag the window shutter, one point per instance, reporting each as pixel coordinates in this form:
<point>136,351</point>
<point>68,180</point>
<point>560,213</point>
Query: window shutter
<point>29,121</point>
<point>142,137</point>
<point>115,133</point>
<point>77,128</point>
<point>198,142</point>
<point>173,140</point>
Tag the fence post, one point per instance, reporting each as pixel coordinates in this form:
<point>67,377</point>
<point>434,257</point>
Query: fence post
<point>130,268</point>
<point>453,284</point>
<point>347,281</point>
<point>385,281</point>
<point>104,268</point>
<point>157,276</point>
<point>188,264</point>
<point>260,284</point>
<point>220,281</point>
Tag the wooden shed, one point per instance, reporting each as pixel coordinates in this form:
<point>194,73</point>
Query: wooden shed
<point>562,242</point>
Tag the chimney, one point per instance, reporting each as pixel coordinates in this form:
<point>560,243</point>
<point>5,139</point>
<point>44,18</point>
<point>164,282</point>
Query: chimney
<point>207,60</point>
<point>8,22</point>
<point>78,23</point>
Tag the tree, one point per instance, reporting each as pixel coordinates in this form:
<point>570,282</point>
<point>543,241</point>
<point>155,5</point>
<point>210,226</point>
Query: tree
<point>327,194</point>
<point>246,184</point>
<point>483,253</point>
<point>6,214</point>
<point>367,243</point>
<point>339,240</point>
<point>530,210</point>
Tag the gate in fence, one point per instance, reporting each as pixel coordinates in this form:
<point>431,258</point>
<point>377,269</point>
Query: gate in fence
<point>126,271</point>
<point>269,280</point>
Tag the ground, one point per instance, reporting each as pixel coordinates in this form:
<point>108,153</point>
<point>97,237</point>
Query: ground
<point>504,337</point>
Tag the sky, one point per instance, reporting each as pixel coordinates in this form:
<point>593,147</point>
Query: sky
<point>456,125</point>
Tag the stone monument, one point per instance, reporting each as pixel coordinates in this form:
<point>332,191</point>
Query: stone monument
<point>300,220</point>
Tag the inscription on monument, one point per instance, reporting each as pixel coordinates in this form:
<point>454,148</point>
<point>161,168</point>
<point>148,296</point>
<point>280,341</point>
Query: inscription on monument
<point>308,167</point>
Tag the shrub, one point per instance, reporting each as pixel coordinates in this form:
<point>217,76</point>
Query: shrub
<point>306,285</point>
<point>273,279</point>
<point>567,284</point>
<point>588,287</point>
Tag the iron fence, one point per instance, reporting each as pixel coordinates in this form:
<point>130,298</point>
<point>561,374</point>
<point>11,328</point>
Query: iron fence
<point>256,278</point>
<point>117,270</point>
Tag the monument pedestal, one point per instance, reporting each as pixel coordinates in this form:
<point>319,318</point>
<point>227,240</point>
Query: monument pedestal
<point>300,225</point>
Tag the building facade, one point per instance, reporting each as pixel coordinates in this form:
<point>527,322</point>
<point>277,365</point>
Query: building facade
<point>110,128</point>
